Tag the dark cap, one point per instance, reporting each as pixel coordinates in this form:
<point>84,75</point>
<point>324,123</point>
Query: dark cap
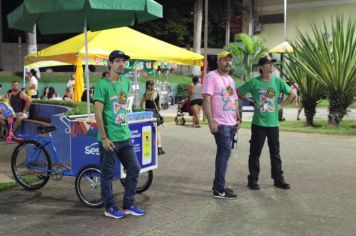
<point>118,54</point>
<point>266,60</point>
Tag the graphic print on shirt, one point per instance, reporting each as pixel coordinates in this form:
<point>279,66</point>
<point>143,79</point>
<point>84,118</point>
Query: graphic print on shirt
<point>228,101</point>
<point>266,100</point>
<point>118,108</point>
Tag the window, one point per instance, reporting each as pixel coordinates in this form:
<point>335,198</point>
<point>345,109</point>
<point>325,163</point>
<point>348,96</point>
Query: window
<point>271,19</point>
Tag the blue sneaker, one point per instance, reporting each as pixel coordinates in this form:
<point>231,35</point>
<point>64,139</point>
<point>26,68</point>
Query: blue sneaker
<point>114,213</point>
<point>134,210</point>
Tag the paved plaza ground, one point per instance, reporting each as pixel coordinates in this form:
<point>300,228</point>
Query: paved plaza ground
<point>320,169</point>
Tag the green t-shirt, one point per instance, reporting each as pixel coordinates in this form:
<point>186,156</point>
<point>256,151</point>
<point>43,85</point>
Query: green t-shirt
<point>265,94</point>
<point>114,112</point>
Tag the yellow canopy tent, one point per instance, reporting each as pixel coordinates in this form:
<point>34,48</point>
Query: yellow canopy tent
<point>100,43</point>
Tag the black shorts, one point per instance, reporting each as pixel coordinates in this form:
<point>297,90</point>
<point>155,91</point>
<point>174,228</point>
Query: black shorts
<point>196,102</point>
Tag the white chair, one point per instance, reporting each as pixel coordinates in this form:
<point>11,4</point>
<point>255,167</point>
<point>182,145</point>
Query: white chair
<point>129,103</point>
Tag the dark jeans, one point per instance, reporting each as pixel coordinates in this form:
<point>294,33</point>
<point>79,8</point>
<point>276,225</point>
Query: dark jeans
<point>258,137</point>
<point>124,151</point>
<point>223,140</point>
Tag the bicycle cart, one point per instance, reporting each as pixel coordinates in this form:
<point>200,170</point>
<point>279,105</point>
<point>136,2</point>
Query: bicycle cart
<point>71,149</point>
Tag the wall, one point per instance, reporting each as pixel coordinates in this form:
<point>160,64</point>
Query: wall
<point>300,14</point>
<point>302,19</point>
<point>12,53</point>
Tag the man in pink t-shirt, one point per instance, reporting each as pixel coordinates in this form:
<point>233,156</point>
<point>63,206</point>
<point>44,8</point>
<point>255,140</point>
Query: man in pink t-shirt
<point>221,108</point>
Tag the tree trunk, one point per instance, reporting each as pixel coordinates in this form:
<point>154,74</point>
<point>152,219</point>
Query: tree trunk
<point>227,28</point>
<point>337,109</point>
<point>309,111</point>
<point>31,39</point>
<point>198,21</point>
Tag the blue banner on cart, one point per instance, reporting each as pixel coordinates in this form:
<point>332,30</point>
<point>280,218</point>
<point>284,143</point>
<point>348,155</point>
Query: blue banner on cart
<point>85,148</point>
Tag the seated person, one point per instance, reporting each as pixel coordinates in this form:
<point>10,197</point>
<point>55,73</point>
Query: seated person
<point>52,95</point>
<point>6,117</point>
<point>68,95</point>
<point>20,103</point>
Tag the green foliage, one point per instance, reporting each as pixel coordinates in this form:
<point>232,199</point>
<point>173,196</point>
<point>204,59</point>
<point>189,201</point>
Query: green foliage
<point>247,52</point>
<point>80,109</point>
<point>348,127</point>
<point>331,61</point>
<point>10,78</point>
<point>56,102</point>
<point>49,78</point>
<point>6,186</point>
<point>176,26</point>
<point>182,90</point>
<point>310,89</point>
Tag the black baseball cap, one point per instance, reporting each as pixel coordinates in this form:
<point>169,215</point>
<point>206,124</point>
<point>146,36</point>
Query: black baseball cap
<point>266,60</point>
<point>118,54</point>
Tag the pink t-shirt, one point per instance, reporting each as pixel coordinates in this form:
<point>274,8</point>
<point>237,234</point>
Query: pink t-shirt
<point>223,105</point>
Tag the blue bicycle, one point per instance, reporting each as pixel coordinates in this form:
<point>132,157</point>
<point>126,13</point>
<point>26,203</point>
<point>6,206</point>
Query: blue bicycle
<point>34,161</point>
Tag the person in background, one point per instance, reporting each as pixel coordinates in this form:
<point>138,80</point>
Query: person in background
<point>7,115</point>
<point>70,85</point>
<point>105,74</point>
<point>114,136</point>
<point>68,94</point>
<point>32,84</point>
<point>220,104</point>
<point>196,100</point>
<point>265,90</point>
<point>45,93</point>
<point>52,95</point>
<point>91,94</point>
<point>24,90</point>
<point>20,103</point>
<point>151,102</point>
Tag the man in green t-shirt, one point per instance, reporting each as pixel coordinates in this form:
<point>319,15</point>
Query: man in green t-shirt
<point>114,136</point>
<point>265,91</point>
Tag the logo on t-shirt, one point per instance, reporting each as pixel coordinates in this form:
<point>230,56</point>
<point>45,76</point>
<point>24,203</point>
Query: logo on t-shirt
<point>228,101</point>
<point>267,100</point>
<point>118,109</point>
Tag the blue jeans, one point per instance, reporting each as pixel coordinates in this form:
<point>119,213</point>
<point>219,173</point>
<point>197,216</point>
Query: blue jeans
<point>124,151</point>
<point>223,140</point>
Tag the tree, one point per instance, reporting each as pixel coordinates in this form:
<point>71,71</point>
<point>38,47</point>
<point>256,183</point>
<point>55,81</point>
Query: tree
<point>247,51</point>
<point>198,20</point>
<point>177,24</point>
<point>331,61</point>
<point>310,90</point>
<point>31,39</point>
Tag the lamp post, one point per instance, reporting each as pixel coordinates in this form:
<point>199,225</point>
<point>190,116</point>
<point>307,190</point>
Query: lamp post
<point>280,113</point>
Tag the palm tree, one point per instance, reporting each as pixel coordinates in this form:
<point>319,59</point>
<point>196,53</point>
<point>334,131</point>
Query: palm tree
<point>246,50</point>
<point>331,61</point>
<point>198,21</point>
<point>309,89</point>
<point>31,39</point>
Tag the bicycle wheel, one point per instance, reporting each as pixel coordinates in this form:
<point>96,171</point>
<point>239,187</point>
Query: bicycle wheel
<point>87,186</point>
<point>31,165</point>
<point>144,181</point>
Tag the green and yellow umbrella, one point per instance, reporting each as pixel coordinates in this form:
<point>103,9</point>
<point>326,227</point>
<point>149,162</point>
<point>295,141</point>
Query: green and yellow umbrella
<point>68,16</point>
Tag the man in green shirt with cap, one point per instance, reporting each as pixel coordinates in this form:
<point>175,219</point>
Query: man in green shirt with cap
<point>114,136</point>
<point>265,90</point>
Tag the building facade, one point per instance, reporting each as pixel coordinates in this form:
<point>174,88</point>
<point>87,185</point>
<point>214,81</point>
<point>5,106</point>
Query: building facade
<point>268,17</point>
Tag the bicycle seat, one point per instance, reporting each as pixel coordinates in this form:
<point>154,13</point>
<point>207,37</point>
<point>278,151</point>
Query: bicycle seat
<point>46,129</point>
